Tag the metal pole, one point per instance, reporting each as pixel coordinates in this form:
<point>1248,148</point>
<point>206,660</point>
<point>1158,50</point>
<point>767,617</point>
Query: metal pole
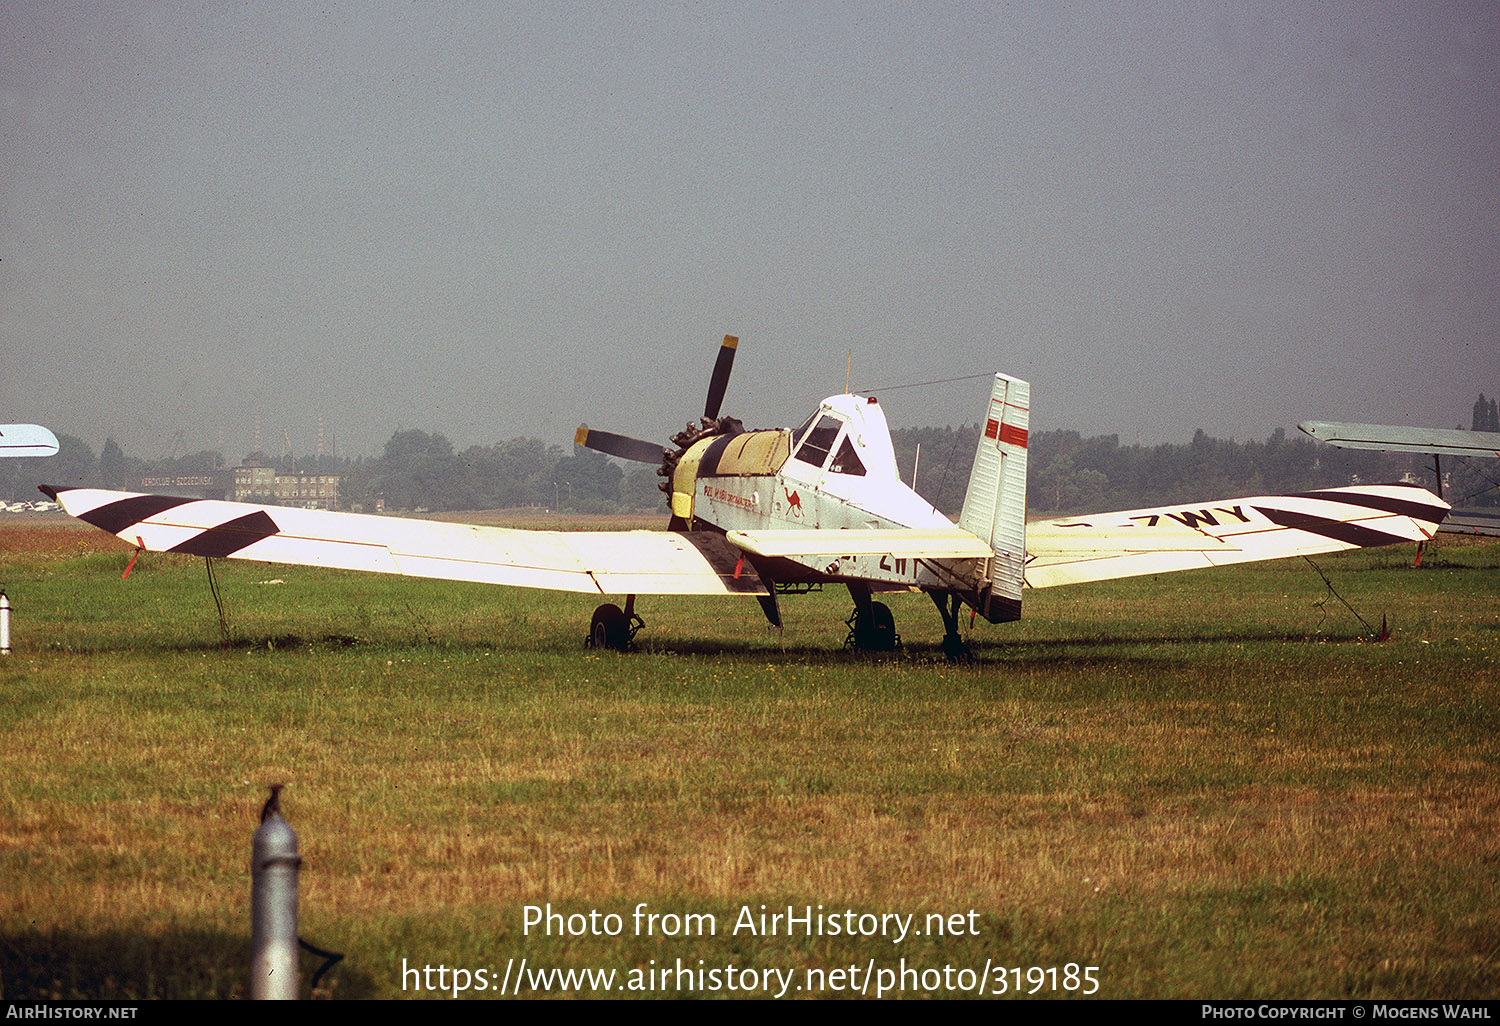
<point>4,623</point>
<point>273,906</point>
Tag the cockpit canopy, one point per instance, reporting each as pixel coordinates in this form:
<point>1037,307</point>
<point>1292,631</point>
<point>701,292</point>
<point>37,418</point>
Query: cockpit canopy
<point>848,435</point>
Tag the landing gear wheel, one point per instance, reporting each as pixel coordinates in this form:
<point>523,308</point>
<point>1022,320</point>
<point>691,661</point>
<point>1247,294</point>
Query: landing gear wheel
<point>612,628</point>
<point>956,649</point>
<point>873,630</point>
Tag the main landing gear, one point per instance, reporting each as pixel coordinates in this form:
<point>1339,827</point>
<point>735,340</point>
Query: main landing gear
<point>613,627</point>
<point>872,629</point>
<point>871,626</point>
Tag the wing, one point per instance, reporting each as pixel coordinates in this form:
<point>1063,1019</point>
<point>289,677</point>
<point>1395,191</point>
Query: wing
<point>595,562</point>
<point>1472,521</point>
<point>1151,541</point>
<point>1391,438</point>
<point>27,440</point>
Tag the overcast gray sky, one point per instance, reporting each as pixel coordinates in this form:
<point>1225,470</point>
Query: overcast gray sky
<point>504,219</point>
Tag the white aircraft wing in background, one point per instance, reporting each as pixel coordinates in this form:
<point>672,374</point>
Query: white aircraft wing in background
<point>1391,438</point>
<point>27,440</point>
<point>1433,442</point>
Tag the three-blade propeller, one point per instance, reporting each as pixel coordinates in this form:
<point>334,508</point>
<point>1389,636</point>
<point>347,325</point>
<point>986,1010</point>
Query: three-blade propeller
<point>627,448</point>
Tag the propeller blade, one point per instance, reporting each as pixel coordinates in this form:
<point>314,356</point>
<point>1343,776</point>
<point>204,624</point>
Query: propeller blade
<point>619,445</point>
<point>720,379</point>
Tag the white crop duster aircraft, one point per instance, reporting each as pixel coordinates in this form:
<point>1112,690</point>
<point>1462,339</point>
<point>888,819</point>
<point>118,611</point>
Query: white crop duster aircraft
<point>773,512</point>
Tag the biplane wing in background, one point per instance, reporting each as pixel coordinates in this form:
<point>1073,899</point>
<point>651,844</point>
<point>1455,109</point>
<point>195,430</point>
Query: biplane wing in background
<point>777,511</point>
<point>1393,438</point>
<point>1434,442</point>
<point>27,440</point>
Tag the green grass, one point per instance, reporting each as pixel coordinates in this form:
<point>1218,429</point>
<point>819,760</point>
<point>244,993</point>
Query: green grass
<point>1207,785</point>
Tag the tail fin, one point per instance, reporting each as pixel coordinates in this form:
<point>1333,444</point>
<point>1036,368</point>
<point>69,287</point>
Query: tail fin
<point>995,504</point>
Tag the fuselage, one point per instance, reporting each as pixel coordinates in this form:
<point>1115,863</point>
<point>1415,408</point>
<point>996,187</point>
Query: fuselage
<point>837,471</point>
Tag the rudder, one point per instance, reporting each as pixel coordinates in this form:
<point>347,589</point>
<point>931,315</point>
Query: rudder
<point>995,504</point>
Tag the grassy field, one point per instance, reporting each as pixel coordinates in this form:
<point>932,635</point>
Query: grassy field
<point>1205,785</point>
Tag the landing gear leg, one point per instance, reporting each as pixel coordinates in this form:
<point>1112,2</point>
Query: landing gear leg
<point>613,627</point>
<point>772,609</point>
<point>871,626</point>
<point>768,603</point>
<point>954,646</point>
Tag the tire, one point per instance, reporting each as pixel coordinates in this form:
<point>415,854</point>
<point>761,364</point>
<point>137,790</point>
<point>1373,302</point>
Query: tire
<point>610,628</point>
<point>879,633</point>
<point>882,627</point>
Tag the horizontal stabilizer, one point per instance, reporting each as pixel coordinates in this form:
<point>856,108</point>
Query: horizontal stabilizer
<point>900,543</point>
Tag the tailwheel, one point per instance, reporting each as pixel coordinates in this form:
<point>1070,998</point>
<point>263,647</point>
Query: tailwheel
<point>956,649</point>
<point>954,646</point>
<point>872,629</point>
<point>613,627</point>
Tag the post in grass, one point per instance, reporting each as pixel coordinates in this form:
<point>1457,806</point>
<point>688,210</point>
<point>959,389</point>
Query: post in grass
<point>273,905</point>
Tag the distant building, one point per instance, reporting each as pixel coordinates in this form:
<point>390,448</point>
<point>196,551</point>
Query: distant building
<point>309,491</point>
<point>252,483</point>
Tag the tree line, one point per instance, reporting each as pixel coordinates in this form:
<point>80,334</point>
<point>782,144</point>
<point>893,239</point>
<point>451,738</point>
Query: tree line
<point>1067,473</point>
<point>416,471</point>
